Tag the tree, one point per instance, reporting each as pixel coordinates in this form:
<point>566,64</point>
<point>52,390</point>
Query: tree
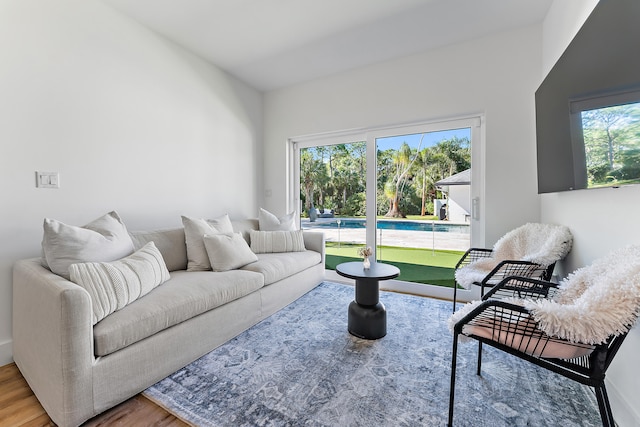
<point>611,136</point>
<point>402,162</point>
<point>312,171</point>
<point>335,176</point>
<point>424,179</point>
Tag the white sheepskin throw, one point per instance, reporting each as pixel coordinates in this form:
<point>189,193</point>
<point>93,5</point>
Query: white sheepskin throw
<point>594,302</point>
<point>542,244</point>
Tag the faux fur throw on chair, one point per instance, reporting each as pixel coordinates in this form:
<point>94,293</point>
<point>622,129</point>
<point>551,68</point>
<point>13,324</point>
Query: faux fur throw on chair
<point>591,304</point>
<point>542,244</point>
<point>594,302</point>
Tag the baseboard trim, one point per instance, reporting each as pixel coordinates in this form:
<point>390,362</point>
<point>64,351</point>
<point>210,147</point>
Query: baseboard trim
<point>6,352</point>
<point>625,415</point>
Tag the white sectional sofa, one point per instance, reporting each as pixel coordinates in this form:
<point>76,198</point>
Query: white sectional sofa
<point>78,370</point>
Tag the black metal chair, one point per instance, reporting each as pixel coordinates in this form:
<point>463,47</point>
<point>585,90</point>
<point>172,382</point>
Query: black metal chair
<point>508,327</point>
<point>530,250</point>
<point>504,269</point>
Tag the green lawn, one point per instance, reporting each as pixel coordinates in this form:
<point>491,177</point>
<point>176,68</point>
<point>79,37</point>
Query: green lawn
<point>416,265</point>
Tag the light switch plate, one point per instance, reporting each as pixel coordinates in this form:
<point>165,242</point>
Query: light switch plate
<point>47,179</point>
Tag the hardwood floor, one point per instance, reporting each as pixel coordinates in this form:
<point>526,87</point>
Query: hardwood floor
<point>20,408</point>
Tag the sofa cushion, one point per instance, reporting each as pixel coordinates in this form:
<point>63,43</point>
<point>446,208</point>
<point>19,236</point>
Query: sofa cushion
<point>170,243</point>
<point>270,222</point>
<point>114,285</point>
<point>194,230</point>
<point>228,251</point>
<point>104,239</point>
<point>277,241</point>
<point>244,227</point>
<point>185,295</point>
<point>275,267</point>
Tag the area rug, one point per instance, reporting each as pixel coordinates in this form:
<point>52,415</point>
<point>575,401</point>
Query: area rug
<point>300,367</point>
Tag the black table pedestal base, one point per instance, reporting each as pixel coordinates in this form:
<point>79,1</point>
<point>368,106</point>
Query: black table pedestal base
<point>368,322</point>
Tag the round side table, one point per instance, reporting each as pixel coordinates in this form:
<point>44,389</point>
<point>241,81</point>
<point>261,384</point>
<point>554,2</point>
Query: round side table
<point>367,315</point>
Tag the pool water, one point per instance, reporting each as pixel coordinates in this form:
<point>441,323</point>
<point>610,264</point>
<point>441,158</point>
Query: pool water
<point>392,225</point>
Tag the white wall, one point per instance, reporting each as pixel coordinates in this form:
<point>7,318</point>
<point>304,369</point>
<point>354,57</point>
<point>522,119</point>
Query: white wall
<point>495,76</point>
<point>130,121</point>
<point>596,230</point>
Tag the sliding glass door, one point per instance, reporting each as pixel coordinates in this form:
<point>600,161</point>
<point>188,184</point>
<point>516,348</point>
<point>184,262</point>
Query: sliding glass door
<point>410,193</point>
<point>332,180</point>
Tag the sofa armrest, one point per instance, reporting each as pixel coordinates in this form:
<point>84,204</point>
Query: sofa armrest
<point>53,341</point>
<point>314,241</point>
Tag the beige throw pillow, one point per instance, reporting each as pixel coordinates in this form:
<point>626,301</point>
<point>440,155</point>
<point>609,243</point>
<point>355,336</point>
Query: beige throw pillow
<point>194,231</point>
<point>228,251</point>
<point>277,241</point>
<point>269,222</point>
<point>104,239</point>
<point>113,285</point>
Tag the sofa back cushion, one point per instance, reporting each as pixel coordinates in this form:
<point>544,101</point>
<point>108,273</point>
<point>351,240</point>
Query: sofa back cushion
<point>244,227</point>
<point>170,243</point>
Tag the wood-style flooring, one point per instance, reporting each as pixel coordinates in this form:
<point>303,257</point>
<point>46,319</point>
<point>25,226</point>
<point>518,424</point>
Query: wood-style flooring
<point>20,408</point>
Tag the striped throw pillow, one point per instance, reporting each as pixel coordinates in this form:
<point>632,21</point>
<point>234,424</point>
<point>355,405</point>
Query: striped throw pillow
<point>113,285</point>
<point>276,241</point>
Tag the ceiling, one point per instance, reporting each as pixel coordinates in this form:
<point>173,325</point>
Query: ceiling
<point>271,44</point>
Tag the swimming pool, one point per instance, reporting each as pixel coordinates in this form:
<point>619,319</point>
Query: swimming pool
<point>391,225</point>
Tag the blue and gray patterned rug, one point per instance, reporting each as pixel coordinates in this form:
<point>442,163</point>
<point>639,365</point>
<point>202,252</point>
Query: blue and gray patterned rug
<point>300,367</point>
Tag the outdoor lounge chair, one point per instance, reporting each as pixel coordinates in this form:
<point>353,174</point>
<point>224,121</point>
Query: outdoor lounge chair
<point>530,250</point>
<point>573,329</point>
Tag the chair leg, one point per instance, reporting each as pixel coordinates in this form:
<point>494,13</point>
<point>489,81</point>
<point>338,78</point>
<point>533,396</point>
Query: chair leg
<point>455,293</point>
<point>452,389</point>
<point>478,372</point>
<point>605,407</point>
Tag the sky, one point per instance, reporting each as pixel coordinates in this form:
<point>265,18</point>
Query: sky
<point>430,139</point>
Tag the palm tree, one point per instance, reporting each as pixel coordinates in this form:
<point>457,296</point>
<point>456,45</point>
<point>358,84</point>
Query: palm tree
<point>403,162</point>
<point>312,172</point>
<point>424,180</point>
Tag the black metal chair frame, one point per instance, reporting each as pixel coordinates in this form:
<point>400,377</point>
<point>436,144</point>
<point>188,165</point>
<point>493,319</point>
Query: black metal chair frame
<point>504,269</point>
<point>506,317</point>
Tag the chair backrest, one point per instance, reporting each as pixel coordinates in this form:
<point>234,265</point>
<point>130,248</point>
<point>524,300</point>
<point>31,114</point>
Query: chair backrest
<point>542,244</point>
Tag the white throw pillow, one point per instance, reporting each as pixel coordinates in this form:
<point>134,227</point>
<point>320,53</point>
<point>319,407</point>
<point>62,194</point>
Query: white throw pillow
<point>277,241</point>
<point>194,230</point>
<point>269,222</point>
<point>228,251</point>
<point>113,285</point>
<point>104,239</point>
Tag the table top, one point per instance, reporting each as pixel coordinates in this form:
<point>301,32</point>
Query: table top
<point>378,271</point>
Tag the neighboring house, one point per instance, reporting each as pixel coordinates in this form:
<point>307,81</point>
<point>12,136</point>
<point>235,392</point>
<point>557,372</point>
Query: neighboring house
<point>458,202</point>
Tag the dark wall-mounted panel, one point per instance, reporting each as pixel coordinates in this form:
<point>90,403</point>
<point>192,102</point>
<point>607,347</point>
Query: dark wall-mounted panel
<point>603,57</point>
